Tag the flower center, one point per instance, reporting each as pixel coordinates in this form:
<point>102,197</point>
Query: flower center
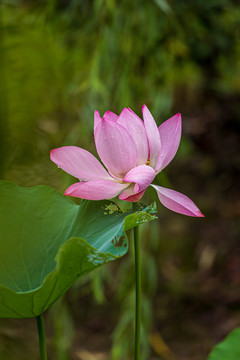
<point>148,162</point>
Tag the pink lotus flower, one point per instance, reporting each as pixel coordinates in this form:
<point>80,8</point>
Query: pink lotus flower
<point>133,152</point>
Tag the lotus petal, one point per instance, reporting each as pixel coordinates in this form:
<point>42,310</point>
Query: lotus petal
<point>154,141</point>
<point>141,175</point>
<point>135,127</point>
<point>95,189</point>
<point>170,134</point>
<point>79,163</point>
<point>109,115</point>
<point>177,202</point>
<point>115,147</point>
<point>130,195</point>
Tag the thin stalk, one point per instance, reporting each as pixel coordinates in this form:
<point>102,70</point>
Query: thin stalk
<point>41,337</point>
<point>138,293</point>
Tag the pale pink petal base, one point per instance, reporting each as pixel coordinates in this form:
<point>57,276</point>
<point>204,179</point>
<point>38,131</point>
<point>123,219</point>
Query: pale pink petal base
<point>95,189</point>
<point>177,202</point>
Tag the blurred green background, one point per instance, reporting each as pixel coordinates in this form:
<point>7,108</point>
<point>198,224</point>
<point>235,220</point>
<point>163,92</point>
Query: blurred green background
<point>61,60</point>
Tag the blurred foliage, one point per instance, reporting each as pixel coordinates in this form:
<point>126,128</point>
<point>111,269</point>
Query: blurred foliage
<point>61,60</point>
<point>62,323</point>
<point>64,59</point>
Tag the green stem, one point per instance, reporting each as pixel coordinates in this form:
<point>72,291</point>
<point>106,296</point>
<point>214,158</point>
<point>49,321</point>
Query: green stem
<point>41,337</point>
<point>138,293</point>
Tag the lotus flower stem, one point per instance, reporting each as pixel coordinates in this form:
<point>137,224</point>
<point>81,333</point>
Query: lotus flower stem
<point>138,293</point>
<point>41,337</point>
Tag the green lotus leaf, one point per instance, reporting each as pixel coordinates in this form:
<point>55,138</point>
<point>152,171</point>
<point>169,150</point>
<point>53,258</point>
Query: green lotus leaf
<point>47,242</point>
<point>228,349</point>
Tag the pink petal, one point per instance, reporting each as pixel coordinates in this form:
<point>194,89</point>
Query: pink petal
<point>141,175</point>
<point>154,141</point>
<point>177,202</point>
<point>79,163</point>
<point>97,119</point>
<point>170,134</point>
<point>129,195</point>
<point>115,147</point>
<point>135,127</point>
<point>109,115</point>
<point>95,189</point>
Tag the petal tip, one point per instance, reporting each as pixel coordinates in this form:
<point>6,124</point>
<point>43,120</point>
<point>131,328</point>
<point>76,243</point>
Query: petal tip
<point>125,109</point>
<point>52,152</point>
<point>179,118</point>
<point>124,112</point>
<point>67,192</point>
<point>97,119</point>
<point>199,214</point>
<point>179,121</point>
<point>70,190</point>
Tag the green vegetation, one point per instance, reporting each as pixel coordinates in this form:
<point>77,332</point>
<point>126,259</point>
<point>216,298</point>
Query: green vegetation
<point>61,60</point>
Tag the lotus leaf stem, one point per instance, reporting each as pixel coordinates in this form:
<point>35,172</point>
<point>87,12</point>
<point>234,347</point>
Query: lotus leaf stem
<point>138,293</point>
<point>41,337</point>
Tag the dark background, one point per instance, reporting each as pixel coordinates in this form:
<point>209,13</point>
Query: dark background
<point>61,60</point>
